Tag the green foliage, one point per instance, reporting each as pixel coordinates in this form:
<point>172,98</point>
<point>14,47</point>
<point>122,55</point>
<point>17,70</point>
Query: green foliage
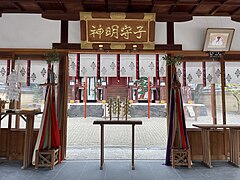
<point>234,89</point>
<point>52,56</point>
<point>37,93</point>
<point>172,60</point>
<point>142,85</point>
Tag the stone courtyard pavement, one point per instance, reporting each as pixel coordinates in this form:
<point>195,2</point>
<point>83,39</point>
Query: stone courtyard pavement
<point>84,139</point>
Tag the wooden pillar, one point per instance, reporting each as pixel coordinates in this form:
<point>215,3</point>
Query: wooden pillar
<point>64,31</point>
<point>226,144</point>
<point>62,101</point>
<point>149,96</point>
<point>169,73</point>
<point>63,90</point>
<point>213,103</point>
<point>223,91</point>
<point>85,97</point>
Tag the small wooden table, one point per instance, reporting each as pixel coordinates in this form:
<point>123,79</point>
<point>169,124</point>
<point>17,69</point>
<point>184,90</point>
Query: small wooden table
<point>115,122</point>
<point>28,117</point>
<point>233,138</point>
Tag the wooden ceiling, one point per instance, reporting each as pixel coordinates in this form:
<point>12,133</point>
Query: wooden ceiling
<point>166,10</point>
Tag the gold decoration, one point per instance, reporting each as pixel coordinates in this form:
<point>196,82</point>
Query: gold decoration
<point>117,15</point>
<point>149,45</point>
<point>86,45</point>
<point>117,46</point>
<point>85,15</point>
<point>150,16</point>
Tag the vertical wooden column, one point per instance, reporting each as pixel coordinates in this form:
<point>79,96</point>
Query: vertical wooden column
<point>62,101</point>
<point>223,91</point>
<point>63,89</point>
<point>226,144</point>
<point>85,97</point>
<point>149,96</point>
<point>169,73</point>
<point>64,31</point>
<point>213,103</point>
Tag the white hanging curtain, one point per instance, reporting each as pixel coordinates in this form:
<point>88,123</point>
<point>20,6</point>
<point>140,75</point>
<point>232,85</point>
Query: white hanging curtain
<point>108,66</point>
<point>21,69</point>
<point>88,65</point>
<point>162,66</point>
<point>3,71</point>
<point>194,73</point>
<point>147,65</point>
<point>213,73</point>
<point>72,66</point>
<point>232,72</point>
<point>179,72</point>
<point>128,65</point>
<point>56,71</point>
<point>38,72</point>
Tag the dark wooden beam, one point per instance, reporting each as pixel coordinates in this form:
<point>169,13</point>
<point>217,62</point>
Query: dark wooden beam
<point>61,16</point>
<point>77,46</point>
<point>83,4</point>
<point>129,6</point>
<point>66,46</point>
<point>231,56</point>
<point>64,31</point>
<point>173,7</point>
<point>106,5</point>
<point>196,6</point>
<point>41,7</point>
<point>236,18</point>
<point>170,32</point>
<point>63,8</point>
<point>151,7</point>
<point>173,18</point>
<point>18,6</point>
<point>218,7</point>
<point>235,11</point>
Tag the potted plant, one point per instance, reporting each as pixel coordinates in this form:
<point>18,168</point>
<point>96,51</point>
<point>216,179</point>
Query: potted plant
<point>142,87</point>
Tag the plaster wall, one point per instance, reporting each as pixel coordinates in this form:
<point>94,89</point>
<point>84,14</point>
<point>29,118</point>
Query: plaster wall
<point>32,31</point>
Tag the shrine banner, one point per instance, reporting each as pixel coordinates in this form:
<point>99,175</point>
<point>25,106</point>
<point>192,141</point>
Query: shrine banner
<point>128,65</point>
<point>117,30</point>
<point>72,66</point>
<point>147,65</point>
<point>232,72</point>
<point>21,69</point>
<point>88,65</point>
<point>38,72</point>
<point>108,65</point>
<point>3,71</point>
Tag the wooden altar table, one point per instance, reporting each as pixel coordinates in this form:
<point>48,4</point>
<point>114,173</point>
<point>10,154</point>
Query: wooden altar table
<point>233,138</point>
<point>28,117</point>
<point>116,122</point>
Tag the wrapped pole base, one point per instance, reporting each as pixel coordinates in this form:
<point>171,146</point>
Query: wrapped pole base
<point>181,157</point>
<point>47,158</point>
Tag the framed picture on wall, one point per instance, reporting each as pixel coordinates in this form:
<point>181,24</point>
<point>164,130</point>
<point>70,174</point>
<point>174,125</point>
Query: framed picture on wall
<point>218,39</point>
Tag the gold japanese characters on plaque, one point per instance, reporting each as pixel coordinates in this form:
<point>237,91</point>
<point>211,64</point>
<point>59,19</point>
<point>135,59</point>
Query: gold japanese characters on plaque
<point>117,30</point>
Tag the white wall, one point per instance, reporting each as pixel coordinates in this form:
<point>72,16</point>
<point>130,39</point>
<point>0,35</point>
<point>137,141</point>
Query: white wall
<point>191,34</point>
<point>161,33</point>
<point>32,31</point>
<point>28,31</point>
<point>74,32</point>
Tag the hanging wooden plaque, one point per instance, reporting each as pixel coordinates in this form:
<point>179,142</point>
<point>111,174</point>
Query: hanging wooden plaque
<point>117,30</point>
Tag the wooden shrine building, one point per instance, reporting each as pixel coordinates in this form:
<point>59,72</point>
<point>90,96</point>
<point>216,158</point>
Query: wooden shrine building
<point>107,45</point>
